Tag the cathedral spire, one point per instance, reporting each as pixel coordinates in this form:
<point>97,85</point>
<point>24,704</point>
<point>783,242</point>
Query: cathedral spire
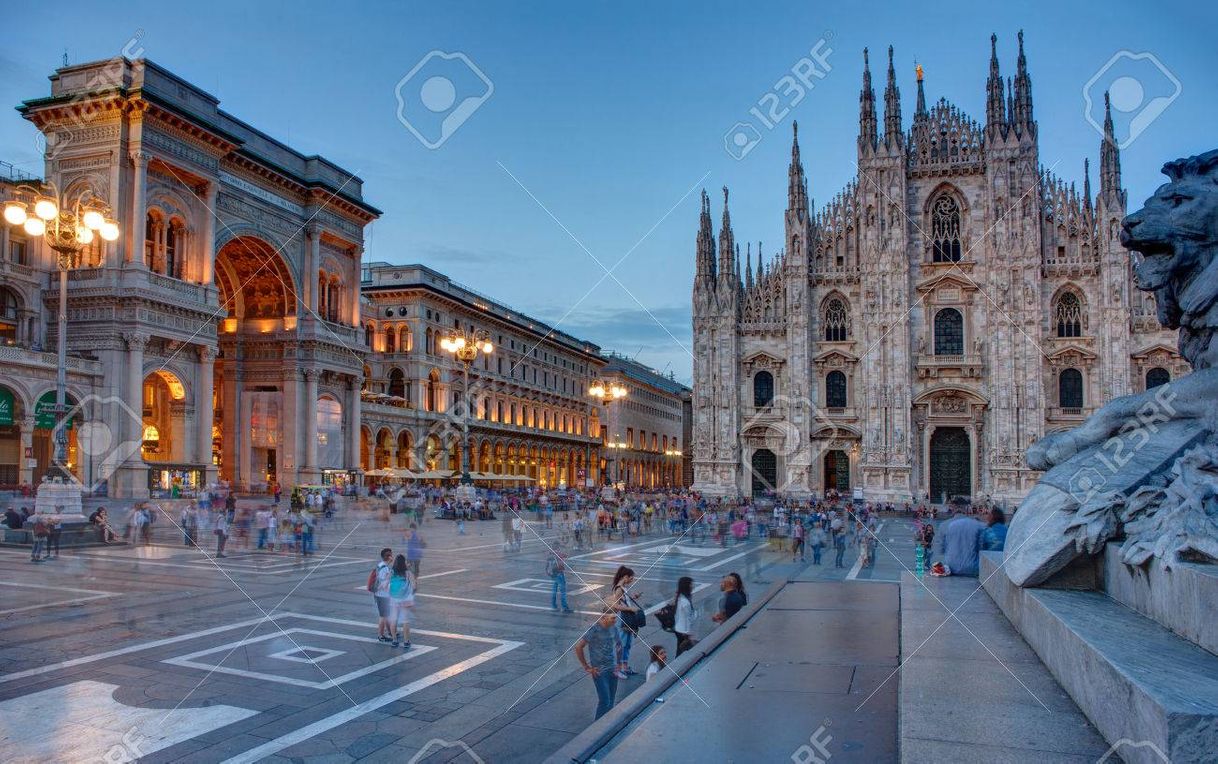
<point>1087,185</point>
<point>867,122</point>
<point>920,111</point>
<point>995,109</point>
<point>1010,103</point>
<point>748,265</point>
<point>704,267</point>
<point>727,243</point>
<point>797,185</point>
<point>1022,117</point>
<point>1110,156</point>
<point>892,107</point>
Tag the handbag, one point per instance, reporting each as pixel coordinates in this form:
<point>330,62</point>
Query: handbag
<point>667,616</point>
<point>633,620</point>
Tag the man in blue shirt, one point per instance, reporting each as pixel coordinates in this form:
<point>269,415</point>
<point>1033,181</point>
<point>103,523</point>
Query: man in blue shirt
<point>601,643</point>
<point>960,543</point>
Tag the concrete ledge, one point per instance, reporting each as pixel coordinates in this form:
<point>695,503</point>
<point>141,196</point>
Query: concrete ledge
<point>972,690</point>
<point>586,744</point>
<point>1182,599</point>
<point>1134,679</point>
<point>69,537</point>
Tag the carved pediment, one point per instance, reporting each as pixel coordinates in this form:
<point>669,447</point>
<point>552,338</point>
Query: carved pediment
<point>1072,354</point>
<point>947,287</point>
<point>835,358</point>
<point>1157,352</point>
<point>762,360</point>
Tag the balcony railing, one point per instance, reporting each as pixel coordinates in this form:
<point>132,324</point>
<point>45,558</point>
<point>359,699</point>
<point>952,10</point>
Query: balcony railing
<point>16,354</point>
<point>967,365</point>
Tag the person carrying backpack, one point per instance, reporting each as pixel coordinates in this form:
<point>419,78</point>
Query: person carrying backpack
<point>684,614</point>
<point>41,531</point>
<point>378,586</point>
<point>556,569</point>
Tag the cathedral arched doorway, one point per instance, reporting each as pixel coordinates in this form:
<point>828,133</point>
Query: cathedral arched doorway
<point>951,464</point>
<point>765,471</point>
<point>837,471</point>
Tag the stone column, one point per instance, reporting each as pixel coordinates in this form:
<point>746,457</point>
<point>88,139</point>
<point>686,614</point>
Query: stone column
<point>312,260</point>
<point>350,300</point>
<point>353,419</point>
<point>135,252</point>
<point>207,248</point>
<point>133,483</point>
<point>310,416</point>
<point>205,412</point>
<point>27,443</point>
<point>290,454</point>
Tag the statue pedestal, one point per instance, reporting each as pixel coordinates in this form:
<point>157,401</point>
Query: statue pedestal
<point>466,492</point>
<point>58,500</point>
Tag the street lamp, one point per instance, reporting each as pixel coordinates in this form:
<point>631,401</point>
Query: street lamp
<point>608,391</point>
<point>67,224</point>
<point>465,348</point>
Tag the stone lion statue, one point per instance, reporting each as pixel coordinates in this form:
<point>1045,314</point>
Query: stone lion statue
<point>1145,466</point>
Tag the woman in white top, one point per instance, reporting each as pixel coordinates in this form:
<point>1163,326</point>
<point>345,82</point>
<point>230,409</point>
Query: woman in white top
<point>683,621</point>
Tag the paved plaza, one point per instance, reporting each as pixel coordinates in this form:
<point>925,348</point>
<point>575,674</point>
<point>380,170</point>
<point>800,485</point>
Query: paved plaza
<point>164,653</point>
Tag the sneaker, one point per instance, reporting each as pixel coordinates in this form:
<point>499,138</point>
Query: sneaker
<point>383,638</point>
<point>567,610</point>
<point>631,672</point>
<point>619,674</point>
<point>405,645</point>
<point>395,643</point>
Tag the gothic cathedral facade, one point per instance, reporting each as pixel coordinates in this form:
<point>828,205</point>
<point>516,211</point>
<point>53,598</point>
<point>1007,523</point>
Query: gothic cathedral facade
<point>954,303</point>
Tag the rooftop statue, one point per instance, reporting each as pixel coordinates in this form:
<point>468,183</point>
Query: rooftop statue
<point>1144,467</point>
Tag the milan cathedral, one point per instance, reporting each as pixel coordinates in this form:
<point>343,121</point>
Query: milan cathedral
<point>913,337</point>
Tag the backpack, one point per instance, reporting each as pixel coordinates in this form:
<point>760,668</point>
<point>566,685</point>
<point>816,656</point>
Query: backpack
<point>551,566</point>
<point>372,581</point>
<point>41,529</point>
<point>667,616</point>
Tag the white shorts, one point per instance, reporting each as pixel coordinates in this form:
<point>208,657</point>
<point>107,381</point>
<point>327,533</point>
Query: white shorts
<point>401,611</point>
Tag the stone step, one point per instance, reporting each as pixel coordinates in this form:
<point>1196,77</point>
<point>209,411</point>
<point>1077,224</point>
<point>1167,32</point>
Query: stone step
<point>1182,599</point>
<point>1152,694</point>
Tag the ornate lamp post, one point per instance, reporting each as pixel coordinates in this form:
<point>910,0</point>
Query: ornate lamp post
<point>606,392</point>
<point>465,348</point>
<point>67,225</point>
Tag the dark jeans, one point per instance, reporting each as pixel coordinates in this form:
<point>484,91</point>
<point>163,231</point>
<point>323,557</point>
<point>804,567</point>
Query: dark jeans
<point>221,540</point>
<point>606,691</point>
<point>53,543</point>
<point>816,550</point>
<point>683,642</point>
<point>559,588</point>
<point>841,552</point>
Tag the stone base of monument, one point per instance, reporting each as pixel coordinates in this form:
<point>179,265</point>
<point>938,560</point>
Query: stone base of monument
<point>1150,691</point>
<point>465,492</point>
<point>56,498</point>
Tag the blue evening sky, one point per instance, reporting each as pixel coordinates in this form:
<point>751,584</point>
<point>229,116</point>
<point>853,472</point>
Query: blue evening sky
<point>613,115</point>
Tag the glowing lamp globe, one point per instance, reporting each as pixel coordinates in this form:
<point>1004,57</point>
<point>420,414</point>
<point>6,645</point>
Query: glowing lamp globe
<point>15,214</point>
<point>46,209</point>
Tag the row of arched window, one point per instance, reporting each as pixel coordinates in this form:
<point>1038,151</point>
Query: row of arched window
<point>1068,321</point>
<point>1069,388</point>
